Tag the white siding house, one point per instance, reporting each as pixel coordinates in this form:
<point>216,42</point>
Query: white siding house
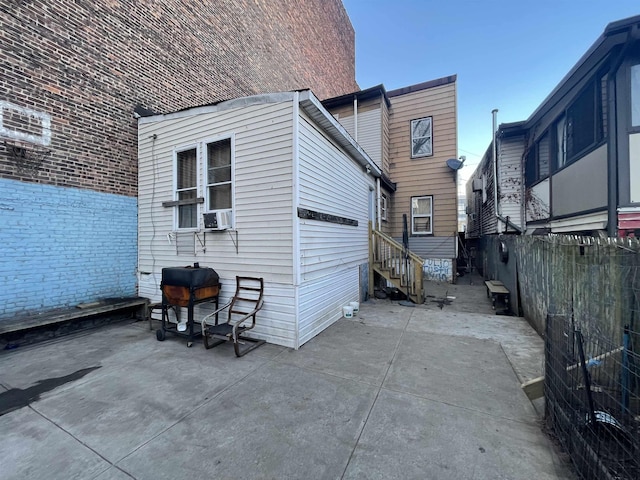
<point>490,212</point>
<point>298,190</point>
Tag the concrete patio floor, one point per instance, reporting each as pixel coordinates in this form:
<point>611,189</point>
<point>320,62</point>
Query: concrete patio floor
<point>396,392</point>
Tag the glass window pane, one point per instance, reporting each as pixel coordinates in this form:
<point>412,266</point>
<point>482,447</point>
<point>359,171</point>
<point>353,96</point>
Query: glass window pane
<point>219,153</point>
<point>422,224</point>
<point>187,172</point>
<point>544,153</point>
<point>219,174</point>
<point>421,128</point>
<point>421,147</point>
<point>561,143</point>
<point>220,196</point>
<point>635,95</point>
<point>581,123</point>
<point>421,206</point>
<point>187,214</point>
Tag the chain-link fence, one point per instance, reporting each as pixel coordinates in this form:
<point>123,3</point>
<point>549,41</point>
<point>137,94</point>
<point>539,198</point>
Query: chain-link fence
<point>592,398</point>
<point>583,295</point>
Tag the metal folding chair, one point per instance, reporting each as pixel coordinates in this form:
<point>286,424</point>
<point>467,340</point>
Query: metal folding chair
<point>241,316</point>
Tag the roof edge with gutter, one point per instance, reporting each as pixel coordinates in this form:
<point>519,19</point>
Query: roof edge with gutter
<point>309,103</point>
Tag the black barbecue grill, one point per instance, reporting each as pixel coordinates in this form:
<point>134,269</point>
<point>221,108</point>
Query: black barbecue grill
<point>186,287</point>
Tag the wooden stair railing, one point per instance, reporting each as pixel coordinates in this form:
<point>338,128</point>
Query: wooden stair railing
<point>403,268</point>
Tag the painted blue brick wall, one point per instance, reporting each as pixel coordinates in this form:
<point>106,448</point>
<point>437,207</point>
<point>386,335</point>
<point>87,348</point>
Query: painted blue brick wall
<point>63,246</point>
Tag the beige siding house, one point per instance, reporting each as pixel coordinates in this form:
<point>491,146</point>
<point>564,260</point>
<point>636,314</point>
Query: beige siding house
<point>295,188</point>
<point>410,133</point>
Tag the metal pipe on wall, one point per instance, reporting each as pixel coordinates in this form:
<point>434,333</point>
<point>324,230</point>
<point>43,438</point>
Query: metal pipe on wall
<point>494,114</point>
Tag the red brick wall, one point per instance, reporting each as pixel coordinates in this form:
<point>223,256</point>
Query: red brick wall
<point>87,64</point>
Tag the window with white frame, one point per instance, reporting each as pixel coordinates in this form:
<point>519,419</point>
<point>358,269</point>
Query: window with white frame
<point>203,181</point>
<point>187,187</point>
<point>422,215</point>
<point>383,206</point>
<point>421,137</point>
<point>218,182</point>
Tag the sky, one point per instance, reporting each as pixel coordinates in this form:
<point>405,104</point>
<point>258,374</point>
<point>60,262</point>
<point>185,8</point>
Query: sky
<point>507,54</point>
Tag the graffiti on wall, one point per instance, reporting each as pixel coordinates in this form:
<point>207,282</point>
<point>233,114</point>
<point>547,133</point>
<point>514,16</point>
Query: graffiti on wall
<point>439,269</point>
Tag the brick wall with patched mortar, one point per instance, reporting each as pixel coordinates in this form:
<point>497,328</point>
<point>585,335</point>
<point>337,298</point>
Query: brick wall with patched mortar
<point>88,63</point>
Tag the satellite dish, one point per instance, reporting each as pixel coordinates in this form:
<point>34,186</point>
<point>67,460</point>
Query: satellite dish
<point>454,164</point>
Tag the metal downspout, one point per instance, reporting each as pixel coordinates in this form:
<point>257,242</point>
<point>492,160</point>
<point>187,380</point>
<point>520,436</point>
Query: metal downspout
<point>297,277</point>
<point>494,151</point>
<point>612,143</point>
<point>379,202</point>
<point>355,119</point>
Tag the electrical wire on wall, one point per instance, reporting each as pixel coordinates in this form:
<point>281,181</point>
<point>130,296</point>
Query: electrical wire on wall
<point>154,163</point>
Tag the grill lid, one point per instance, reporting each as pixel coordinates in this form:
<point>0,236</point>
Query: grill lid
<point>192,277</point>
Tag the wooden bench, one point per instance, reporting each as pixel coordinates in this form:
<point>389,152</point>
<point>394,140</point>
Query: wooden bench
<point>497,292</point>
<point>51,317</point>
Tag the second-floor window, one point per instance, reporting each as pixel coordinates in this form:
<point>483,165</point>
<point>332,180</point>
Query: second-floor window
<point>538,160</point>
<point>583,125</point>
<point>422,137</point>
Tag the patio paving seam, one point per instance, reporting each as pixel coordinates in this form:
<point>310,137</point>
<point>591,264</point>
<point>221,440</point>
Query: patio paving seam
<point>373,404</point>
<point>534,420</point>
<point>194,410</point>
<point>61,428</point>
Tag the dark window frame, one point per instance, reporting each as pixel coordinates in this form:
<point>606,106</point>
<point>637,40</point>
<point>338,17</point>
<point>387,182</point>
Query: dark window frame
<point>633,128</point>
<point>590,99</point>
<point>533,172</point>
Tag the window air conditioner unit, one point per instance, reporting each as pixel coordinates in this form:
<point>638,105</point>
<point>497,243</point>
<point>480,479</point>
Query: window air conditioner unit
<point>477,185</point>
<point>218,220</point>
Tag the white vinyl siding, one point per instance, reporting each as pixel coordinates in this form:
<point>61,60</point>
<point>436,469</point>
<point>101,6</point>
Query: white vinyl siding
<point>370,134</point>
<point>331,254</point>
<point>321,301</point>
<point>510,178</point>
<point>263,204</point>
<point>348,124</point>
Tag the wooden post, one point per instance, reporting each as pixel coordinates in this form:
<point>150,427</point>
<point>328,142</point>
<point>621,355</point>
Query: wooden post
<point>420,282</point>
